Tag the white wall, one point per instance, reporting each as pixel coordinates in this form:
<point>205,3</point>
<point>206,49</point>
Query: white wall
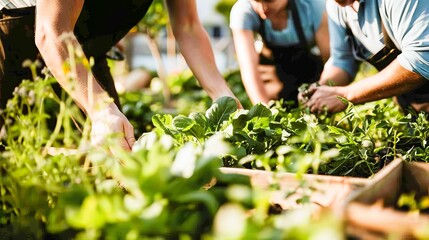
<point>207,12</point>
<point>221,47</point>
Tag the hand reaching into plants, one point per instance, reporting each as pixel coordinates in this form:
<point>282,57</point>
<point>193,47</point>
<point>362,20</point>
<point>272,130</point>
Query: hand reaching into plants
<point>196,48</point>
<point>326,98</point>
<point>304,93</point>
<point>239,106</point>
<point>109,122</point>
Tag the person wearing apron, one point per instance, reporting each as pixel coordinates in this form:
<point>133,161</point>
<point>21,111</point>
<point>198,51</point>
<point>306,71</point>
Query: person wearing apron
<point>390,35</point>
<point>96,27</point>
<point>289,29</point>
<point>17,44</point>
<point>17,29</point>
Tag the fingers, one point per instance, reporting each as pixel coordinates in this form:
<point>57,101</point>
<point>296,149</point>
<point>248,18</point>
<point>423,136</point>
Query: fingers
<point>113,127</point>
<point>313,87</point>
<point>315,103</point>
<point>306,94</point>
<point>129,136</point>
<point>239,106</point>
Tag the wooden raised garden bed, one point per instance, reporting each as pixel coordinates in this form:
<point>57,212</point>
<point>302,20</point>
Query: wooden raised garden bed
<point>325,191</point>
<point>372,213</point>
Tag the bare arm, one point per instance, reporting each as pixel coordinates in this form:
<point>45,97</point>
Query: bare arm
<point>334,76</point>
<point>53,19</point>
<point>195,46</point>
<point>322,38</point>
<point>248,61</point>
<point>391,81</point>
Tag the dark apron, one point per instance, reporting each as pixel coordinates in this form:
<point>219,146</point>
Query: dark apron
<point>294,64</point>
<point>382,59</point>
<point>100,26</point>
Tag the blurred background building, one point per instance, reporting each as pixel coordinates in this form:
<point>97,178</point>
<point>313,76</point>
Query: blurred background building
<point>216,25</point>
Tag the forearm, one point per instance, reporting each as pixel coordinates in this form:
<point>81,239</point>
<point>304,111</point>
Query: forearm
<point>248,62</point>
<point>322,38</point>
<point>254,86</point>
<point>334,76</point>
<point>76,79</point>
<point>393,80</point>
<point>54,20</point>
<point>197,51</point>
<point>195,46</point>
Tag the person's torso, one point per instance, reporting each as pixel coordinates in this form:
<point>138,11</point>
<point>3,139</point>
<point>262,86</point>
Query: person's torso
<point>365,26</point>
<point>102,24</point>
<point>310,14</point>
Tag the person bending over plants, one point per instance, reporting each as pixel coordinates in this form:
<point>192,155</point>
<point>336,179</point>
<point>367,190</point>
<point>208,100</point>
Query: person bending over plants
<point>391,35</point>
<point>94,27</point>
<point>289,29</point>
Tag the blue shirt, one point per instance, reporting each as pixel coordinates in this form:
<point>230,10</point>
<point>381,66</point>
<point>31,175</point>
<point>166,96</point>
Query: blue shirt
<point>243,17</point>
<point>405,21</point>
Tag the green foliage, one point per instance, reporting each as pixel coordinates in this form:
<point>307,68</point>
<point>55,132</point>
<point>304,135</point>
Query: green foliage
<point>163,192</point>
<point>234,81</point>
<point>224,7</point>
<point>155,19</point>
<point>357,142</point>
<point>30,180</point>
<point>139,107</point>
<point>412,203</point>
<point>170,185</point>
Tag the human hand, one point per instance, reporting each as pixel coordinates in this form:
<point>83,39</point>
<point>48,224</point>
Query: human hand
<point>325,98</point>
<point>110,122</point>
<point>304,93</point>
<point>239,106</point>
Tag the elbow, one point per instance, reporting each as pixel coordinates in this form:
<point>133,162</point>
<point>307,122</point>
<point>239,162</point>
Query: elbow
<point>186,28</point>
<point>41,37</point>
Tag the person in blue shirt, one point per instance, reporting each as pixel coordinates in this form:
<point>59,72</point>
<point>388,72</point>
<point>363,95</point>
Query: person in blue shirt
<point>391,35</point>
<point>289,30</point>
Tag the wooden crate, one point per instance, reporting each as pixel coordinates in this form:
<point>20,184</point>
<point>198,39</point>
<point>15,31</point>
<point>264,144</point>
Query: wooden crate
<point>326,191</point>
<point>371,212</point>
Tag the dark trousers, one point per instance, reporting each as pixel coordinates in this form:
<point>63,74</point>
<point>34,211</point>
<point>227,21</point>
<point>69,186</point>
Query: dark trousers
<point>17,44</point>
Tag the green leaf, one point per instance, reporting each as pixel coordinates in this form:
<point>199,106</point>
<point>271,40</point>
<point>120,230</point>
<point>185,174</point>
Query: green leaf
<point>220,111</point>
<point>202,196</point>
<point>183,123</point>
<point>200,119</point>
<point>200,127</point>
<point>239,122</point>
<point>259,110</point>
<point>163,121</point>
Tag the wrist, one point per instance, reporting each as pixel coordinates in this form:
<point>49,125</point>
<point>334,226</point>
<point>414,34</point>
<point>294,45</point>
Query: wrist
<point>101,111</point>
<point>348,94</point>
<point>221,93</point>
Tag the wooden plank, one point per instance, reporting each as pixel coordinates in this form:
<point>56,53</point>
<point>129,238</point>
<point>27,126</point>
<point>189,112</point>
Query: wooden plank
<point>325,191</point>
<point>386,185</point>
<point>54,151</point>
<point>373,209</point>
<point>384,221</point>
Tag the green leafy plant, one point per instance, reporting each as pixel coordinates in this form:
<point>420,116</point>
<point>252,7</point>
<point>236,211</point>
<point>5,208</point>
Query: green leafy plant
<point>412,203</point>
